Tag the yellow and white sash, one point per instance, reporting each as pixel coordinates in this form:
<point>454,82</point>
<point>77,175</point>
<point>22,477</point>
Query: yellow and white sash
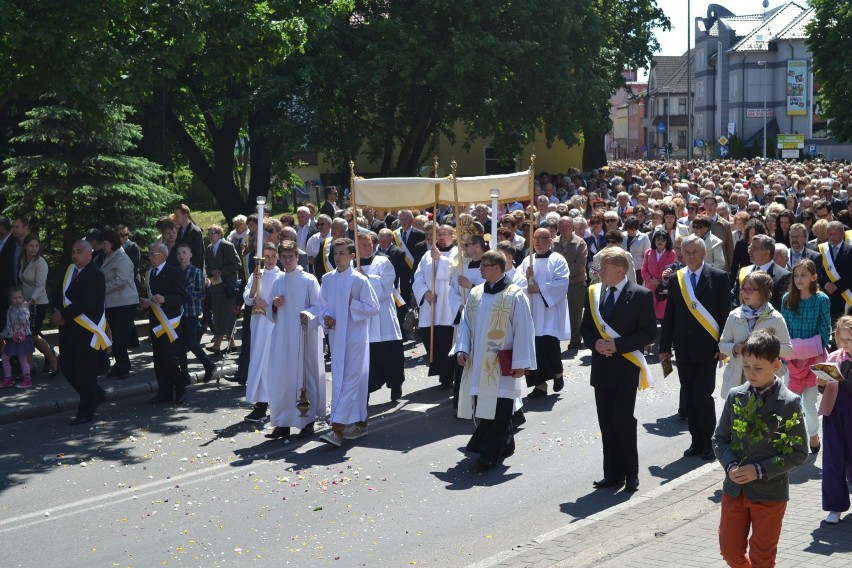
<point>696,308</point>
<point>397,298</point>
<point>166,325</point>
<point>397,238</point>
<point>849,237</point>
<point>324,254</point>
<point>744,271</point>
<point>831,270</point>
<point>646,379</point>
<point>100,339</point>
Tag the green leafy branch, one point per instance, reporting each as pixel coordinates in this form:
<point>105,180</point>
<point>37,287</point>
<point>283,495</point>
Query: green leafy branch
<point>750,428</point>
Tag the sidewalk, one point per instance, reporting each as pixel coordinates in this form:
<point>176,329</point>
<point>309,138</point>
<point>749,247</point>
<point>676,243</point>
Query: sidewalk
<point>54,395</point>
<point>676,525</point>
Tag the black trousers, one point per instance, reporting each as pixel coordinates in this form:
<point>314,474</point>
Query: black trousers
<point>170,381</point>
<point>387,365</point>
<point>188,331</point>
<point>80,367</point>
<point>697,381</point>
<point>548,359</point>
<point>618,431</point>
<point>120,320</point>
<point>494,439</point>
<point>442,364</point>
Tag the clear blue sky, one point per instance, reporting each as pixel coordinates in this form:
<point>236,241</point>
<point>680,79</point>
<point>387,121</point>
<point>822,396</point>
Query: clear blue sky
<point>673,42</point>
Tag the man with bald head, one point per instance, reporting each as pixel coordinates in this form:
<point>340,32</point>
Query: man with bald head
<point>79,315</point>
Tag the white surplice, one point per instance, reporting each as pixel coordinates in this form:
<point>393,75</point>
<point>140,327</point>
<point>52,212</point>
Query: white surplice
<point>472,274</point>
<point>350,301</point>
<point>381,276</point>
<point>519,334</point>
<point>261,334</point>
<point>551,275</point>
<point>301,292</point>
<point>444,313</point>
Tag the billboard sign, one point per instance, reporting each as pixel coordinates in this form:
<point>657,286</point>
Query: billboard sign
<point>797,86</point>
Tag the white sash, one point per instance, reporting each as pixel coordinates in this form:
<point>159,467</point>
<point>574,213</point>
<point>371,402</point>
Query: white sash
<point>646,379</point>
<point>100,340</point>
<point>166,325</point>
<point>397,238</point>
<point>695,307</point>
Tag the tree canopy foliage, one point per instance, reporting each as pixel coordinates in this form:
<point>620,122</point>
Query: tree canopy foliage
<point>829,36</point>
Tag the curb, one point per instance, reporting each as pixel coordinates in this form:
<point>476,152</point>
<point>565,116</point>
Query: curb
<point>47,407</point>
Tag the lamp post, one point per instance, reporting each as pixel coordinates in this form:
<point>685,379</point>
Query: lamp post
<point>495,195</point>
<point>763,63</point>
<point>689,141</point>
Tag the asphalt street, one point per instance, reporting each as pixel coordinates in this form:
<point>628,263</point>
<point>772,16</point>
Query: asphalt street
<point>196,486</point>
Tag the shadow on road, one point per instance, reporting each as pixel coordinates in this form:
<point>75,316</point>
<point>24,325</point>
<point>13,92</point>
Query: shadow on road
<point>668,426</point>
<point>463,476</point>
<point>594,502</point>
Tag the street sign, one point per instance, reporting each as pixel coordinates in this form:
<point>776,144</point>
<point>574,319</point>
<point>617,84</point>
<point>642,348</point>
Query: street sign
<point>812,150</point>
<point>723,151</point>
<point>789,154</point>
<point>791,141</point>
<point>661,127</point>
<point>698,143</point>
<point>722,140</point>
<point>759,113</point>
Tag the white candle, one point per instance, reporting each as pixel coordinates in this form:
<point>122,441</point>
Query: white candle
<point>261,201</point>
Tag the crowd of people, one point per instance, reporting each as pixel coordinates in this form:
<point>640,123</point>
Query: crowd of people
<point>713,252</point>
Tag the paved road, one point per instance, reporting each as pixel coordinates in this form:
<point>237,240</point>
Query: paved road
<point>196,486</point>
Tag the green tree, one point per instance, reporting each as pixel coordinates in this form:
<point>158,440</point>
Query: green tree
<point>828,37</point>
<point>394,74</point>
<point>75,172</point>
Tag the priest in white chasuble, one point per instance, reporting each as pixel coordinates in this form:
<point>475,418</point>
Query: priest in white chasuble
<point>348,303</point>
<point>261,329</point>
<point>387,360</point>
<point>295,353</point>
<point>547,286</point>
<point>495,346</point>
<point>429,295</point>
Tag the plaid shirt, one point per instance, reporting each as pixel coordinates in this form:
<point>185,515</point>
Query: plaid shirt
<point>195,291</point>
<point>812,318</point>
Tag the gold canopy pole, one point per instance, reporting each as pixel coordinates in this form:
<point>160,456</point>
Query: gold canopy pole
<point>532,220</point>
<point>354,208</point>
<point>454,166</point>
<point>434,265</point>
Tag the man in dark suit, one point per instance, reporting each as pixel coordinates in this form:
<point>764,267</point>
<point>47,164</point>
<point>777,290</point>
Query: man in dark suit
<point>407,236</point>
<point>168,294</point>
<point>761,252</point>
<point>693,324</point>
<point>373,224</point>
<point>400,266</point>
<point>189,233</point>
<point>78,314</point>
<point>330,206</point>
<point>835,252</point>
<point>627,309</point>
<point>799,247</point>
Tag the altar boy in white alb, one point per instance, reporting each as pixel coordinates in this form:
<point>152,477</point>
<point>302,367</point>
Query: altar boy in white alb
<point>496,324</point>
<point>261,332</point>
<point>548,287</point>
<point>348,304</point>
<point>295,358</point>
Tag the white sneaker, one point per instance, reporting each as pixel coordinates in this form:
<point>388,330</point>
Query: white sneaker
<point>354,431</point>
<point>332,437</point>
<point>833,518</point>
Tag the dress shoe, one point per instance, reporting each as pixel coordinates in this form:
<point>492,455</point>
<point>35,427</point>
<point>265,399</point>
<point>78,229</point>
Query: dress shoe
<point>833,518</point>
<point>708,455</point>
<point>278,432</point>
<point>484,464</point>
<point>692,451</point>
<point>396,394</point>
<point>574,345</point>
<point>537,393</point>
<point>80,420</point>
<point>256,415</point>
<point>558,384</point>
<point>52,373</point>
<point>208,375</point>
<point>444,386</point>
<point>815,449</point>
<point>158,400</point>
<point>632,484</point>
<point>607,482</point>
<point>180,399</point>
<point>307,431</point>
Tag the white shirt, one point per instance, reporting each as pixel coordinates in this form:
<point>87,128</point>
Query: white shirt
<point>697,272</point>
<point>765,267</point>
<point>618,288</point>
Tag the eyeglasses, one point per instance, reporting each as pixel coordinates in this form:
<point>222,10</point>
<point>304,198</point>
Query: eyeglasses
<point>611,221</point>
<point>747,290</point>
<point>596,222</point>
<point>483,265</point>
